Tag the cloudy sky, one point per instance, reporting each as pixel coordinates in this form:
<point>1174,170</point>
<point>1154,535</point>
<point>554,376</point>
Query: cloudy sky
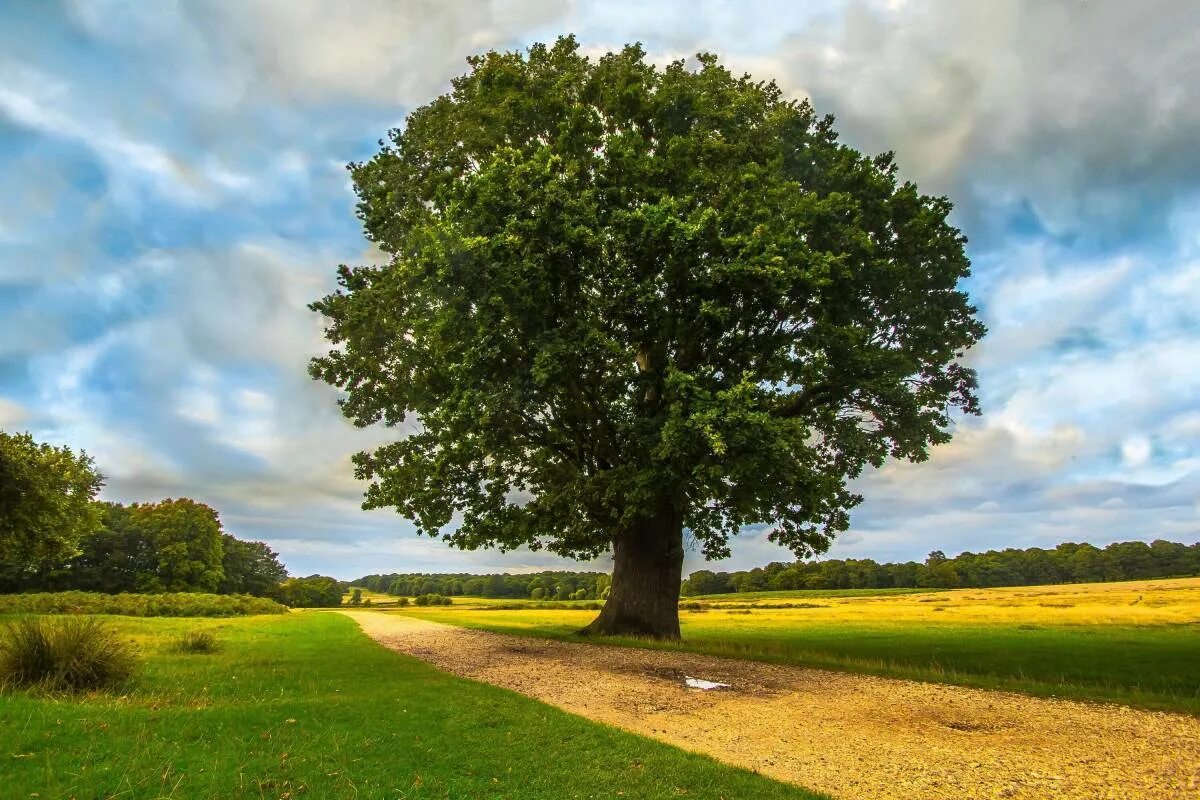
<point>174,194</point>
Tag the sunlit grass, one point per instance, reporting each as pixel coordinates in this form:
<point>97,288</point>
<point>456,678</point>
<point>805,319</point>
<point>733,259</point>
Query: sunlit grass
<point>1132,642</point>
<point>305,705</point>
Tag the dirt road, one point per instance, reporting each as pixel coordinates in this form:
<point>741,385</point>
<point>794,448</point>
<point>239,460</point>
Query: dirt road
<point>852,736</point>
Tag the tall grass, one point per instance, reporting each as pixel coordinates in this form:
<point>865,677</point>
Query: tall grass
<point>177,604</point>
<point>64,654</point>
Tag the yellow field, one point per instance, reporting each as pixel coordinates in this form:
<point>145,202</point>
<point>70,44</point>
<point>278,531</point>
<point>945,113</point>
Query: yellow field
<point>1134,642</point>
<point>1157,602</point>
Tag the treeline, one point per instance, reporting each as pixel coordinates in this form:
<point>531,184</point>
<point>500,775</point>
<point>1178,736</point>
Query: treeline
<point>170,546</point>
<point>531,586</point>
<point>55,537</point>
<point>1067,563</point>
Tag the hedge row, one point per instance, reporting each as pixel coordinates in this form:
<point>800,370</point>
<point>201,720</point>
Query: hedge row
<point>178,604</point>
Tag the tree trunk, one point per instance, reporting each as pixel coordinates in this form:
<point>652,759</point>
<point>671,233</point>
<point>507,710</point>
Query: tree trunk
<point>647,571</point>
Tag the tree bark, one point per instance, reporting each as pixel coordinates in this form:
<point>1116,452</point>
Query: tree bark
<point>647,571</point>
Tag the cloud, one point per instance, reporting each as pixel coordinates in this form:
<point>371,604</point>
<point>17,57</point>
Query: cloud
<point>12,414</point>
<point>382,51</point>
<point>177,196</point>
<point>42,104</point>
<point>1080,116</point>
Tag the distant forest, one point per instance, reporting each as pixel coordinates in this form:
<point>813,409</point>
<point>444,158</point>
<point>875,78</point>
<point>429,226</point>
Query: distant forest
<point>531,586</point>
<point>1067,563</point>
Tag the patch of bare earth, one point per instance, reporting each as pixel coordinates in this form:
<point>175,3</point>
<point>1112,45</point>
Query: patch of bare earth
<point>851,736</point>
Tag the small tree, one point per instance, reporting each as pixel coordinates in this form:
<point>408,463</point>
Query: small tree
<point>356,597</point>
<point>624,300</point>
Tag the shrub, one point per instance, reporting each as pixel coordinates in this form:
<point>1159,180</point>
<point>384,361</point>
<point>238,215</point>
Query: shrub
<point>65,654</point>
<point>432,600</point>
<point>402,602</point>
<point>176,604</point>
<point>197,642</point>
<point>546,604</point>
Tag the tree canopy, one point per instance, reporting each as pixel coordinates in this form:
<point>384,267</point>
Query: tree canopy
<point>46,497</point>
<point>624,300</point>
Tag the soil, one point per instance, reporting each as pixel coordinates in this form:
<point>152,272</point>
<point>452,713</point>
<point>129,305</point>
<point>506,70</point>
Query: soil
<point>851,736</point>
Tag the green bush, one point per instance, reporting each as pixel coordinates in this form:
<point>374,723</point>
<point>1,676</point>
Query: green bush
<point>197,642</point>
<point>315,591</point>
<point>592,605</point>
<point>432,600</point>
<point>177,604</point>
<point>64,654</point>
<point>402,602</point>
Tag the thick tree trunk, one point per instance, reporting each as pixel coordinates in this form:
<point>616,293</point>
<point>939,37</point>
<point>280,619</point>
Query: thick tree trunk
<point>647,571</point>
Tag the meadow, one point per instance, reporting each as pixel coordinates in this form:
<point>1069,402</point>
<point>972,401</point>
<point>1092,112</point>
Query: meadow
<point>305,705</point>
<point>1134,642</point>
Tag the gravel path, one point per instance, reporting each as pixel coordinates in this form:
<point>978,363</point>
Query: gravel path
<point>852,736</point>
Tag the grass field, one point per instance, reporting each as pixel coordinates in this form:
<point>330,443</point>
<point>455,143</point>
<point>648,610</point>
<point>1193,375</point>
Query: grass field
<point>1133,642</point>
<point>305,705</point>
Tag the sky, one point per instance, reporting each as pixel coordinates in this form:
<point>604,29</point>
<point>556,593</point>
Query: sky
<point>175,194</point>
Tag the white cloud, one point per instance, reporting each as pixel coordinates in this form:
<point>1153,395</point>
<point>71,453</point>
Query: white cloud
<point>386,51</point>
<point>1084,112</point>
<point>1136,451</point>
<point>12,414</point>
<point>45,104</point>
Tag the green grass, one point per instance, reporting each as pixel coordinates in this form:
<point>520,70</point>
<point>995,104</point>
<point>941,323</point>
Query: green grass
<point>1155,667</point>
<point>304,705</point>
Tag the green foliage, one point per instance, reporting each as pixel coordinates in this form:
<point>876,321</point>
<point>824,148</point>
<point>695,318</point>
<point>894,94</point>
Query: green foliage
<point>283,708</point>
<point>185,538</point>
<point>592,584</point>
<point>154,547</point>
<point>626,293</point>
<point>183,604</point>
<point>1067,563</point>
<point>250,568</point>
<point>117,557</point>
<point>315,591</point>
<point>356,598</point>
<point>64,654</point>
<point>45,503</point>
<point>432,600</point>
<point>196,641</point>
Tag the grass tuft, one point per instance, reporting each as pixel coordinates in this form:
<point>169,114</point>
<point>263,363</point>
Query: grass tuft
<point>196,642</point>
<point>65,654</point>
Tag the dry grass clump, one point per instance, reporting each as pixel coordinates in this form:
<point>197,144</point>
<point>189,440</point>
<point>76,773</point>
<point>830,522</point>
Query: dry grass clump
<point>196,642</point>
<point>64,654</point>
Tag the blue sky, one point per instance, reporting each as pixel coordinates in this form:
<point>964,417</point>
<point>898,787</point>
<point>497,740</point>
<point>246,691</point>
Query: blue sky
<point>174,194</point>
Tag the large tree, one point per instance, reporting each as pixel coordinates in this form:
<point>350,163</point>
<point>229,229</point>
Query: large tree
<point>625,301</point>
<point>250,568</point>
<point>185,538</point>
<point>46,504</point>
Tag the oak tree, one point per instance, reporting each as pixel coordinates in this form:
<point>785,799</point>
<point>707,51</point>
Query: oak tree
<point>623,302</point>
